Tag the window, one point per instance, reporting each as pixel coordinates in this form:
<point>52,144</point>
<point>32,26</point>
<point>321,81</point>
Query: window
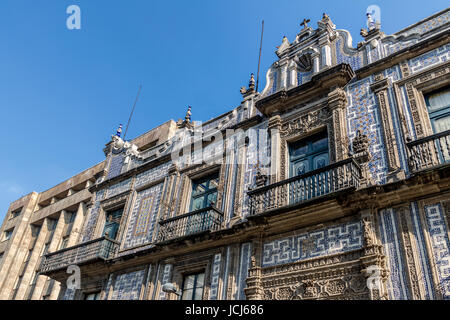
<point>1,257</point>
<point>112,223</point>
<point>16,213</point>
<point>8,234</point>
<point>204,192</point>
<point>193,287</point>
<point>64,242</point>
<point>308,154</point>
<point>438,105</point>
<point>92,296</point>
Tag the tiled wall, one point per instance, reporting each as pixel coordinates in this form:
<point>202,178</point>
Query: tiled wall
<point>127,286</point>
<point>317,243</point>
<point>391,240</point>
<point>143,217</point>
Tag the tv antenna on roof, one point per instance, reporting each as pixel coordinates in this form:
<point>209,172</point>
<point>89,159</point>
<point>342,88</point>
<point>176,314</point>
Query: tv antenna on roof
<point>132,110</point>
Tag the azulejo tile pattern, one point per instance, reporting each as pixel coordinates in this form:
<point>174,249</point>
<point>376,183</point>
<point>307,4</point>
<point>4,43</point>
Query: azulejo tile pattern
<point>303,77</point>
<point>394,46</point>
<point>69,294</point>
<point>438,234</point>
<point>143,217</point>
<point>390,237</point>
<point>93,217</point>
<point>118,188</point>
<point>430,58</point>
<point>167,274</point>
<point>115,166</point>
<point>215,273</point>
<point>257,154</point>
<point>305,245</point>
<point>362,114</point>
<point>355,61</point>
<point>127,286</point>
<point>429,24</point>
<point>153,174</point>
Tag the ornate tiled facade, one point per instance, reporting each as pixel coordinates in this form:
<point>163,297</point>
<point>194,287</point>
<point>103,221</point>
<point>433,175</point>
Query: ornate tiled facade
<point>372,223</point>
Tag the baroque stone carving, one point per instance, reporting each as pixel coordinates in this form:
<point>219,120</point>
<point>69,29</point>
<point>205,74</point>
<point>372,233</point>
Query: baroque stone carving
<point>305,123</point>
<point>304,62</point>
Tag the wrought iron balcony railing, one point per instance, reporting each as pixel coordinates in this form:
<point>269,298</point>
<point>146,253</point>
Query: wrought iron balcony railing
<point>338,176</point>
<point>207,219</point>
<point>429,152</point>
<point>91,251</point>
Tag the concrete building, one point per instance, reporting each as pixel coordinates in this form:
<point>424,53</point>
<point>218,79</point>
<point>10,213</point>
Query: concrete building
<point>333,182</point>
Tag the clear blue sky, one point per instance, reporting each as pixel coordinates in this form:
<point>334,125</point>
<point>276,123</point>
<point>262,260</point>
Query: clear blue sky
<point>63,92</point>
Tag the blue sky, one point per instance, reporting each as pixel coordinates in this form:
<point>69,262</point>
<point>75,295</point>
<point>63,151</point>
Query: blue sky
<point>64,92</point>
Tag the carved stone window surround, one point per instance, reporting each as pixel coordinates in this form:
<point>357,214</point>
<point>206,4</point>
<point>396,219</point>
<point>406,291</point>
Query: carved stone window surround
<point>416,86</point>
<point>125,200</point>
<point>184,268</point>
<point>196,172</point>
<point>303,124</point>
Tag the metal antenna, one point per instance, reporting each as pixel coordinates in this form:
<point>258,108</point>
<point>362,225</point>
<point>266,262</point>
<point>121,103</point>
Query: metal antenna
<point>132,110</point>
<point>259,59</point>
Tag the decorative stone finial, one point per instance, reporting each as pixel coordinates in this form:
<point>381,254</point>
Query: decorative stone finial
<point>251,87</point>
<point>119,131</point>
<point>251,83</point>
<point>188,114</point>
<point>325,17</point>
<point>305,23</point>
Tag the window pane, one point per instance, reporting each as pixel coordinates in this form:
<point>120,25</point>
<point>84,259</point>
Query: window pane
<point>199,189</point>
<point>200,280</point>
<point>198,294</point>
<point>441,124</point>
<point>320,144</point>
<point>212,198</point>
<point>214,183</point>
<point>299,150</point>
<point>187,294</point>
<point>189,282</point>
<point>439,100</point>
<point>197,203</point>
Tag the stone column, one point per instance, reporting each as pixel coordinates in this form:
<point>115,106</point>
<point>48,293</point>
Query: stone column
<point>380,87</point>
<point>240,168</point>
<point>337,102</point>
<point>316,62</point>
<point>284,76</point>
<point>325,51</point>
<point>254,289</point>
<point>275,154</point>
<point>373,260</point>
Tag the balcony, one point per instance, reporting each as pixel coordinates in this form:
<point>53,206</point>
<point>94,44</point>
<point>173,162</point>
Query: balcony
<point>92,251</point>
<point>339,176</point>
<point>207,219</point>
<point>429,152</point>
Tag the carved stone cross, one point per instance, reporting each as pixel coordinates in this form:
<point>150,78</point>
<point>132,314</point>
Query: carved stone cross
<point>305,23</point>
